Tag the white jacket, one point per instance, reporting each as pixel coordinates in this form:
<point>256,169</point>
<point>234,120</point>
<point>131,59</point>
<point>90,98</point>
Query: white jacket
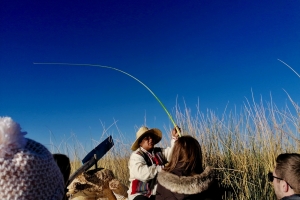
<point>139,170</point>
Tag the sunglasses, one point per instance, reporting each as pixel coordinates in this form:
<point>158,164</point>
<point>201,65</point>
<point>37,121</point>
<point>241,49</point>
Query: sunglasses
<point>271,178</point>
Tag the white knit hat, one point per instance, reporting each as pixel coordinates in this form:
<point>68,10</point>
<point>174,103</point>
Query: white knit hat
<point>27,168</point>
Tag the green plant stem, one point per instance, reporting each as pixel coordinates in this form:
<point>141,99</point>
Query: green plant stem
<point>101,66</point>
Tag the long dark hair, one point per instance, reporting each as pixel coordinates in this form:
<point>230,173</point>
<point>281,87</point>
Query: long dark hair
<point>64,165</point>
<point>187,155</point>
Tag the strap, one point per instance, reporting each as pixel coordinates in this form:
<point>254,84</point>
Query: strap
<point>158,157</point>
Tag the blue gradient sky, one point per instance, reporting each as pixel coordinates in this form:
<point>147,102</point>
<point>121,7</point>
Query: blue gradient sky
<point>208,52</point>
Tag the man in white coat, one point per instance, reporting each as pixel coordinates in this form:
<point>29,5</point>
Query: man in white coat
<point>146,161</point>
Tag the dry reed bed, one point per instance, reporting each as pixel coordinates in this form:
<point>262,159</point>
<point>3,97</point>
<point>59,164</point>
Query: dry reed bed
<point>241,146</point>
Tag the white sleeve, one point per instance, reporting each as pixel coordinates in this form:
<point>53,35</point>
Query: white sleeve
<point>168,151</point>
<point>138,168</point>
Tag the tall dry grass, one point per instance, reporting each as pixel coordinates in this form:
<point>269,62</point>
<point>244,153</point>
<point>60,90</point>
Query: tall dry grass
<point>241,145</point>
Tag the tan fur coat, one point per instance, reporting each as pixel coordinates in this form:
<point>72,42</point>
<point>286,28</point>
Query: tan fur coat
<point>175,186</point>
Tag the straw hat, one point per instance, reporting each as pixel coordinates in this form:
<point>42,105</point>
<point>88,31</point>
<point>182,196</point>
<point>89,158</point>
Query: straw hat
<point>141,132</point>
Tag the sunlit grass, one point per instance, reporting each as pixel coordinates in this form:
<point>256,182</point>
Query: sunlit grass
<point>241,145</point>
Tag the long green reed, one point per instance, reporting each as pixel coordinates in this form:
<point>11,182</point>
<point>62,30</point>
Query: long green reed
<point>240,144</point>
<point>101,66</point>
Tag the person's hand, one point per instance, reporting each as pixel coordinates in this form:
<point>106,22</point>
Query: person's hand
<point>159,168</point>
<point>175,135</point>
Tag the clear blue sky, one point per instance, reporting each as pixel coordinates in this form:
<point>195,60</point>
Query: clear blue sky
<point>211,52</point>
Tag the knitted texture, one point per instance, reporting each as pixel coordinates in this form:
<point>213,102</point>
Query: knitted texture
<point>11,137</point>
<point>29,172</point>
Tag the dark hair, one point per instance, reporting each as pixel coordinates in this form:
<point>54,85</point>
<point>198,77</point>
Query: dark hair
<point>154,137</point>
<point>288,168</point>
<point>64,165</point>
<point>187,155</point>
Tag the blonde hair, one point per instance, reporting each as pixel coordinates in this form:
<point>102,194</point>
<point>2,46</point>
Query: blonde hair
<point>187,155</point>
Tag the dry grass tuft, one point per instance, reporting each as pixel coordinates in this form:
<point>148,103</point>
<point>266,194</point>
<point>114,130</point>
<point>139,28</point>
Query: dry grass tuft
<point>242,145</point>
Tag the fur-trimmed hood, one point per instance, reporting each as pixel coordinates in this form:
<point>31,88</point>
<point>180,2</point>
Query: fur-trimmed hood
<point>186,184</point>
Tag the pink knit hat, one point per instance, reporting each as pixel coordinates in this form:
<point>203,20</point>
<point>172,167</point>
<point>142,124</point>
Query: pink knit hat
<point>27,168</point>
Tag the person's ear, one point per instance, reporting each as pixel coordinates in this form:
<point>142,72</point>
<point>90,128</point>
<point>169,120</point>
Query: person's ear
<point>284,187</point>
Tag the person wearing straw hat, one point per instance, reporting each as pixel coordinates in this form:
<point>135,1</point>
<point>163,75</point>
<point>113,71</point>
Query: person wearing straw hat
<point>146,161</point>
<point>28,170</point>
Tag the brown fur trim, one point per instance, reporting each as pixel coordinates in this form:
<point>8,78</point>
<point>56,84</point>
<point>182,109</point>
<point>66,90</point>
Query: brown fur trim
<point>186,184</point>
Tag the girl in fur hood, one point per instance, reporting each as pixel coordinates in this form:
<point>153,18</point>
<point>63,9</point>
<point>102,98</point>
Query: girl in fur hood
<point>184,176</point>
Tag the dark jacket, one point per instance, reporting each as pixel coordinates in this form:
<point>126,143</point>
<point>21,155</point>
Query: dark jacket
<point>176,186</point>
<point>293,197</point>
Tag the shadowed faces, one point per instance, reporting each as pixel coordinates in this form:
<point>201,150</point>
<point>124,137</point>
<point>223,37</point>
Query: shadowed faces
<point>148,141</point>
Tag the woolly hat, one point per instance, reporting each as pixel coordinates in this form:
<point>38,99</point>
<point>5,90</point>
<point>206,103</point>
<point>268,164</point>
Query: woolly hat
<point>141,132</point>
<point>27,168</point>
